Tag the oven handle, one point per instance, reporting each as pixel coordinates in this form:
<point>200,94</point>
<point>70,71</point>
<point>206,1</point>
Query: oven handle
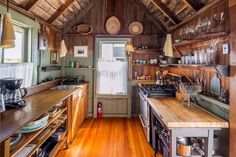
<point>163,141</point>
<point>142,97</point>
<point>141,119</point>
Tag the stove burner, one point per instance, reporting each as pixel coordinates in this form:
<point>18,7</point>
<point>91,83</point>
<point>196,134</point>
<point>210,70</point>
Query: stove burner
<point>159,91</point>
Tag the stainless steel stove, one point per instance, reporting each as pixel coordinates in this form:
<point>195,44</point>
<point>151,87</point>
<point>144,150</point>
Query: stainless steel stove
<point>157,91</point>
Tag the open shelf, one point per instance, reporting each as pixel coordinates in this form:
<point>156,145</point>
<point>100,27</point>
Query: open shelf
<point>134,64</point>
<point>148,51</point>
<point>57,147</point>
<point>201,38</point>
<point>194,153</point>
<point>189,65</point>
<point>51,68</point>
<point>222,70</point>
<point>79,68</point>
<point>29,137</point>
<point>39,143</point>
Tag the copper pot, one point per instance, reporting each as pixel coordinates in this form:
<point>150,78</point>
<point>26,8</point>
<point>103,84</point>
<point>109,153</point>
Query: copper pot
<point>184,146</point>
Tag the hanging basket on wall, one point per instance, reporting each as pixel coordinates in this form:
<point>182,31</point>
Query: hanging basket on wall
<point>84,29</point>
<point>113,25</point>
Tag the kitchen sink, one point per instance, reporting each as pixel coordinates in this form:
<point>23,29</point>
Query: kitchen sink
<point>64,87</point>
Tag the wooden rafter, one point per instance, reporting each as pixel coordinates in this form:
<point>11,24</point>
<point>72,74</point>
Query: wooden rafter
<point>166,11</point>
<point>181,10</point>
<point>60,11</point>
<point>29,14</point>
<point>77,18</point>
<point>150,16</point>
<point>33,3</point>
<point>194,4</point>
<point>214,3</point>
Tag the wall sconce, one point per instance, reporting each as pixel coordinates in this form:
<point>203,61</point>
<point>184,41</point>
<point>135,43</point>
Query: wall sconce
<point>129,48</point>
<point>8,33</point>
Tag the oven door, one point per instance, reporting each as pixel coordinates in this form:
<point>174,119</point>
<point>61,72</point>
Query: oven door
<point>144,116</point>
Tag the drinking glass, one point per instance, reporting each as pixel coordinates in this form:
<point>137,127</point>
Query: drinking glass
<point>204,57</point>
<point>201,57</point>
<point>196,57</point>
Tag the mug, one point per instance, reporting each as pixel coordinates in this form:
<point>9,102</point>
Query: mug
<point>72,64</point>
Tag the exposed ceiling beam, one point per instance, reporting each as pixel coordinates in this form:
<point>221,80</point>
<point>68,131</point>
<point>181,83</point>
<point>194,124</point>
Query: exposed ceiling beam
<point>60,11</point>
<point>77,18</point>
<point>30,6</point>
<point>165,11</point>
<point>194,4</point>
<point>150,16</point>
<point>29,14</point>
<point>205,8</point>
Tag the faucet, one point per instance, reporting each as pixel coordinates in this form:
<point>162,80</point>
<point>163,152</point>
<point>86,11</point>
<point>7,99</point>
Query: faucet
<point>63,81</point>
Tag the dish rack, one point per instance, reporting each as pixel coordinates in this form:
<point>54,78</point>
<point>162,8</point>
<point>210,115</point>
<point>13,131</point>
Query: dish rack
<point>189,90</point>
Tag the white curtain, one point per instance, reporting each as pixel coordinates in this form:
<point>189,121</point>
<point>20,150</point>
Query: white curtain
<point>22,70</point>
<point>112,77</point>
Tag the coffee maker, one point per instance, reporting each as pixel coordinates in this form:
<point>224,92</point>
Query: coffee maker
<point>12,93</point>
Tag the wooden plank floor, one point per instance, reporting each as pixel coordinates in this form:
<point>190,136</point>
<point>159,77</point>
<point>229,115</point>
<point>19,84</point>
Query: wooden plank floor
<point>109,137</point>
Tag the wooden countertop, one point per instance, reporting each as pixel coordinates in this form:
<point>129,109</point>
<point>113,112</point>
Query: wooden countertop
<point>175,115</point>
<point>36,105</point>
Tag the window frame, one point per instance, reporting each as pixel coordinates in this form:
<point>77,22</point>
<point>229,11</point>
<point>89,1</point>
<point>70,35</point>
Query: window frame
<point>26,42</point>
<point>112,42</point>
<point>98,53</point>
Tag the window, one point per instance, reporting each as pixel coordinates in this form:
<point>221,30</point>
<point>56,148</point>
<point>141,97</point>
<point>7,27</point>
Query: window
<point>111,51</point>
<point>112,68</point>
<point>16,54</point>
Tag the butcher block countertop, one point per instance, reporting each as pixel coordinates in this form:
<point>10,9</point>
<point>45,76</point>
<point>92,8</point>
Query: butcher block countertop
<point>175,115</point>
<point>36,105</point>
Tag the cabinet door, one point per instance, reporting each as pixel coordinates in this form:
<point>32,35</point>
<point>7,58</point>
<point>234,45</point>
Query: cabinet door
<point>86,104</point>
<point>82,108</point>
<point>75,114</point>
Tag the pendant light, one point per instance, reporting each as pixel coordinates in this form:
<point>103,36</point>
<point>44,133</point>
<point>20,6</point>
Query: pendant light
<point>8,33</point>
<point>63,49</point>
<point>168,49</point>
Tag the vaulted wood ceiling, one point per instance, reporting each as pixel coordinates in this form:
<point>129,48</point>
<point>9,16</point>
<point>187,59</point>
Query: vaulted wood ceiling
<point>63,13</point>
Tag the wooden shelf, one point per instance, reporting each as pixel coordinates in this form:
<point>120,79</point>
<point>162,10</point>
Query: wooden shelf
<point>145,64</point>
<point>29,137</point>
<point>189,65</point>
<point>222,70</point>
<point>39,143</point>
<point>201,38</point>
<point>148,51</point>
<point>57,147</point>
<point>79,68</point>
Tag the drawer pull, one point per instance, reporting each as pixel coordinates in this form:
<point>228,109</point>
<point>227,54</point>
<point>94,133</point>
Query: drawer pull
<point>141,119</point>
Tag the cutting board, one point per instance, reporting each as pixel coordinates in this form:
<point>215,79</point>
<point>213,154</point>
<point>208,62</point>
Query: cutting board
<point>215,86</point>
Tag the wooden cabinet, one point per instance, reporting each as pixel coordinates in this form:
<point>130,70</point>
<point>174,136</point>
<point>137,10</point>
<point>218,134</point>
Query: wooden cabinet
<point>38,137</point>
<point>79,110</point>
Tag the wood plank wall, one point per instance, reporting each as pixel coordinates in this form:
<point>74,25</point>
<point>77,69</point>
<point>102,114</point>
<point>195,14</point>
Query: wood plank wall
<point>125,10</point>
<point>232,10</point>
<point>53,39</point>
<point>192,72</point>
